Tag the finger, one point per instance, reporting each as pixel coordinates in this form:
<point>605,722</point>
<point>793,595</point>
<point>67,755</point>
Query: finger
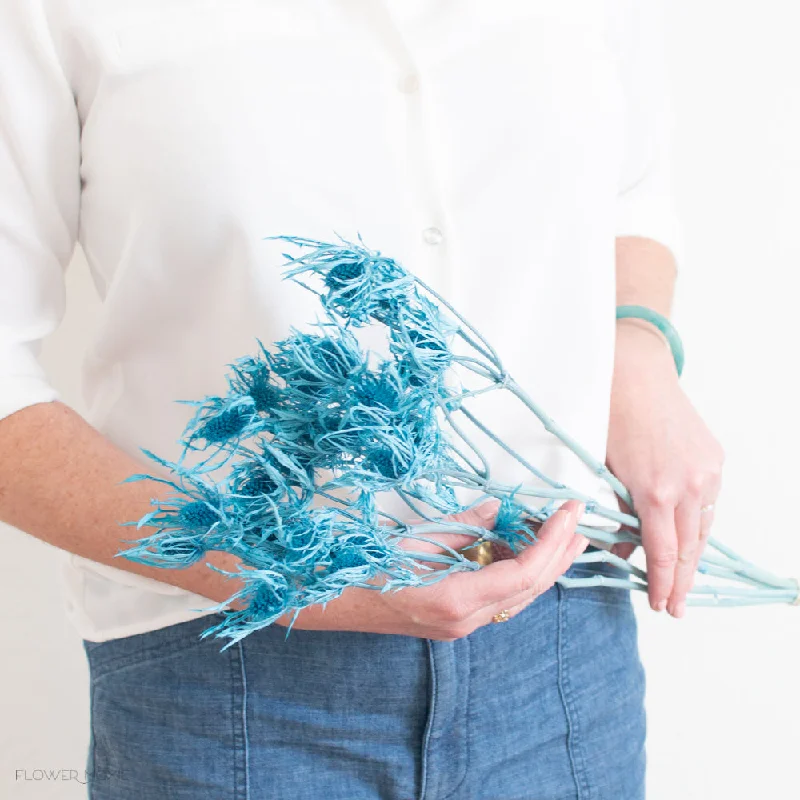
<point>516,603</point>
<point>624,549</point>
<point>687,529</point>
<point>498,581</point>
<point>661,551</point>
<point>481,516</point>
<point>563,560</point>
<point>515,609</point>
<point>706,521</point>
<point>557,566</point>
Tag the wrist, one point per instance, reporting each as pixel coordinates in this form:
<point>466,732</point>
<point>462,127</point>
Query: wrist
<point>660,323</point>
<point>639,346</point>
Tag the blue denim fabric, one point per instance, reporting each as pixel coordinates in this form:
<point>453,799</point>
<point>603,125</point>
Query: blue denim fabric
<point>546,706</point>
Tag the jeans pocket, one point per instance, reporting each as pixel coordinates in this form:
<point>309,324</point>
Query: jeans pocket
<point>166,716</point>
<point>150,647</point>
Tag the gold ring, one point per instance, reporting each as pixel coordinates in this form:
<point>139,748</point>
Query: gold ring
<point>706,509</point>
<point>502,616</point>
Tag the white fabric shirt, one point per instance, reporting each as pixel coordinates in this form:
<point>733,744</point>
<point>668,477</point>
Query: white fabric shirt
<point>494,147</point>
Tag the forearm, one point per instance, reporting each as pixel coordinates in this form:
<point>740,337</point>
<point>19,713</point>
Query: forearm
<point>60,481</point>
<point>645,276</point>
<point>658,445</point>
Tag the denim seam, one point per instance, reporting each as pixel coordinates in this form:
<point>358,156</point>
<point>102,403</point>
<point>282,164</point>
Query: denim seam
<point>244,725</point>
<point>92,746</point>
<point>576,759</point>
<point>241,776</point>
<point>465,738</point>
<point>426,736</point>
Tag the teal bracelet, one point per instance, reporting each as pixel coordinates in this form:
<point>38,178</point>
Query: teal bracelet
<point>660,322</point>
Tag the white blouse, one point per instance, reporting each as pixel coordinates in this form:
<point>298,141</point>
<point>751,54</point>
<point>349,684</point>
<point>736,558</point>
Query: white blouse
<point>494,147</point>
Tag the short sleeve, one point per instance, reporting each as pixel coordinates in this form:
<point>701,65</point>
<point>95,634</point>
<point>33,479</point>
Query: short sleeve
<point>646,202</point>
<point>39,198</point>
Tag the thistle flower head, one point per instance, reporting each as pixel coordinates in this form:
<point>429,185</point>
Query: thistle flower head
<point>304,545</point>
<point>420,342</point>
<point>197,515</point>
<point>257,478</point>
<point>266,486</point>
<point>267,594</point>
<point>221,422</point>
<point>512,524</point>
<point>168,550</point>
<point>187,523</point>
<point>321,359</point>
<point>269,597</point>
<point>375,390</point>
<point>252,377</point>
<point>359,546</point>
<point>360,284</point>
<point>196,508</point>
<point>379,396</point>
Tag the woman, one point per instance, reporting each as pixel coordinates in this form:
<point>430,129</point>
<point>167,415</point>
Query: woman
<point>513,154</point>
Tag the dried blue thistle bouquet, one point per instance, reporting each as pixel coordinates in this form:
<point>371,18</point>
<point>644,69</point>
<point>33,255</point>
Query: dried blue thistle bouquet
<point>287,466</point>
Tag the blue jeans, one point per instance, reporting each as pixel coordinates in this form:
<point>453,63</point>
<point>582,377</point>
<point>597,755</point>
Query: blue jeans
<point>546,706</point>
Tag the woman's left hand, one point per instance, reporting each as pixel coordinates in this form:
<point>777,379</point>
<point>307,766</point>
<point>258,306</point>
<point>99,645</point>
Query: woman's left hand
<point>661,449</point>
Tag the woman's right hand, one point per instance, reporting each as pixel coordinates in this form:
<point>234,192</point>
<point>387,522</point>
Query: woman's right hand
<point>463,601</point>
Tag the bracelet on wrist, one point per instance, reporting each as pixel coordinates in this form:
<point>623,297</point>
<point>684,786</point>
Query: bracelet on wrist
<point>660,322</point>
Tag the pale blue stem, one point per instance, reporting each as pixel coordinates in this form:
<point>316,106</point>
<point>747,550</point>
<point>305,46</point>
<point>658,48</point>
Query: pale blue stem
<point>738,591</point>
<point>600,580</point>
<point>699,595</point>
<point>513,453</point>
<point>728,574</point>
<point>603,556</point>
<point>486,472</point>
<point>606,537</point>
<point>455,399</point>
<point>601,470</point>
<point>436,558</point>
<point>743,567</point>
<point>592,506</point>
<point>479,368</point>
<point>737,602</point>
<point>407,500</point>
<point>491,354</point>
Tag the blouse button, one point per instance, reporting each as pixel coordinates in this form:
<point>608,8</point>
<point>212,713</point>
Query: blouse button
<point>432,235</point>
<point>408,84</point>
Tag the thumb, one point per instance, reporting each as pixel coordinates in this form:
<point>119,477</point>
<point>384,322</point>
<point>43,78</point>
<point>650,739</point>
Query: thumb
<point>482,516</point>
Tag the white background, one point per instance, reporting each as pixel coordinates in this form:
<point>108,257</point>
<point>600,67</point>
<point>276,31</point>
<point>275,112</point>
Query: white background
<point>723,685</point>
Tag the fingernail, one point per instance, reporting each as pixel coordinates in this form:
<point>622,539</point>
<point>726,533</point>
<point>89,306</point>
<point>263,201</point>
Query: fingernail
<point>571,516</point>
<point>679,611</point>
<point>580,542</point>
<point>661,605</point>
